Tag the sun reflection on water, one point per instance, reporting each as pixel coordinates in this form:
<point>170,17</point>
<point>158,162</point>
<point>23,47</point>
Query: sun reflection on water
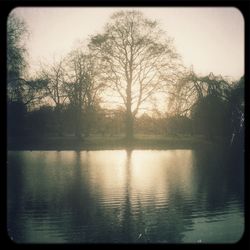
<point>140,174</point>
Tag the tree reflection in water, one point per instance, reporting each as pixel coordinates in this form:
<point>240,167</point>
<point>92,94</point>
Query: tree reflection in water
<point>123,196</point>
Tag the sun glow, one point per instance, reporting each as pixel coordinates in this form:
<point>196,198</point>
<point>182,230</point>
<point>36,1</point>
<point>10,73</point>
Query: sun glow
<point>138,173</point>
<point>202,36</point>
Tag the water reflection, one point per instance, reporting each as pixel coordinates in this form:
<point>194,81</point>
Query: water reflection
<point>144,196</point>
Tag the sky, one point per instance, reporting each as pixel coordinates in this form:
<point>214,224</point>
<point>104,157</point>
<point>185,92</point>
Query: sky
<point>208,39</point>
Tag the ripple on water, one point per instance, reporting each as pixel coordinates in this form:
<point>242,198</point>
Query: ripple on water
<point>71,197</point>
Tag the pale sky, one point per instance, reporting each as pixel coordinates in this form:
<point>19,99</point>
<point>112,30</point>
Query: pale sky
<point>209,39</point>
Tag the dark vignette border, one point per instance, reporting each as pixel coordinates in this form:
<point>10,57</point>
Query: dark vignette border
<point>5,8</point>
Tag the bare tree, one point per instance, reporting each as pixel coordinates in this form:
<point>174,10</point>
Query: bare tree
<point>81,87</point>
<point>29,92</point>
<point>54,86</point>
<point>136,60</point>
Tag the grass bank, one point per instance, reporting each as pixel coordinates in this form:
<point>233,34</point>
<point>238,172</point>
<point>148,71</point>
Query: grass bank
<point>97,142</point>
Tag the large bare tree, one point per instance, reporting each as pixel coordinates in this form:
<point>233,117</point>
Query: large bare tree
<point>136,59</point>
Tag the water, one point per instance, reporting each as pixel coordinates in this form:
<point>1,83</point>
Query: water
<point>119,196</point>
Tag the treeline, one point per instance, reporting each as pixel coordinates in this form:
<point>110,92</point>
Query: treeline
<point>212,115</point>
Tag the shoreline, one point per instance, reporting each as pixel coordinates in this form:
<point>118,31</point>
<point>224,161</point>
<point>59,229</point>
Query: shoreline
<point>107,143</point>
<point>95,148</point>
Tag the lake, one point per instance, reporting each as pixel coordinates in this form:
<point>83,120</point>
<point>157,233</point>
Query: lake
<point>124,196</point>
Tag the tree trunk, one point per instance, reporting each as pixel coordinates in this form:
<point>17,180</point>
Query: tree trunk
<point>59,120</point>
<point>87,121</point>
<point>78,122</point>
<point>77,129</point>
<point>129,126</point>
<point>129,116</point>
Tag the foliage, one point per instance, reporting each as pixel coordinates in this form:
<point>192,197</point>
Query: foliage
<point>211,117</point>
<point>236,102</point>
<point>41,121</point>
<point>16,58</point>
<point>178,125</point>
<point>16,121</point>
<point>16,51</point>
<point>221,111</point>
<point>191,88</point>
